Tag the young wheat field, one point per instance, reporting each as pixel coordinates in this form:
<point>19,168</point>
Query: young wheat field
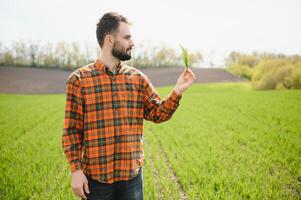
<point>225,141</point>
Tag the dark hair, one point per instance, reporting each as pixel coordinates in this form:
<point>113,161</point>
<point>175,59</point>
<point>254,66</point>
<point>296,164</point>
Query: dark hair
<point>108,24</point>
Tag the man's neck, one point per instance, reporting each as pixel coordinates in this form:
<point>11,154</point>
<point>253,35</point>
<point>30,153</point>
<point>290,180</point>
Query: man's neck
<point>109,61</point>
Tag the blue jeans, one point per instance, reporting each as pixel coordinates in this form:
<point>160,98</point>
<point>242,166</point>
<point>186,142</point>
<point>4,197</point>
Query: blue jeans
<point>120,190</point>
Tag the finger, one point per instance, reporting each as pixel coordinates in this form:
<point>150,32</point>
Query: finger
<point>187,72</point>
<point>191,73</point>
<point>184,72</point>
<point>77,192</point>
<point>86,187</point>
<point>190,77</point>
<point>82,194</point>
<point>193,76</point>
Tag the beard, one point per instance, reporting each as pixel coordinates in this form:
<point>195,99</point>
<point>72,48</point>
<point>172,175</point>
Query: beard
<point>120,53</point>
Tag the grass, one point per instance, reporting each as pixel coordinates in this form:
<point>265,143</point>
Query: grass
<point>225,141</point>
<point>185,56</point>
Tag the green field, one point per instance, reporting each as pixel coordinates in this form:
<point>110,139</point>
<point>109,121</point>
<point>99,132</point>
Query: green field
<point>225,141</point>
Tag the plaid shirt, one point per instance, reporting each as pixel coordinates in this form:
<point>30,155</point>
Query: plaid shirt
<point>103,126</point>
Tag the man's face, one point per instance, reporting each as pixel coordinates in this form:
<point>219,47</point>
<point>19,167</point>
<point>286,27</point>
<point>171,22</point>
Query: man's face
<point>123,43</point>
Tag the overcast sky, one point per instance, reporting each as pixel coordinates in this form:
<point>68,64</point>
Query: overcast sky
<point>213,27</point>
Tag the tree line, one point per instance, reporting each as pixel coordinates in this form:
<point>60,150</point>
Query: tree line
<point>264,70</point>
<point>71,55</point>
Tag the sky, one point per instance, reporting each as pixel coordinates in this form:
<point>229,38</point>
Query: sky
<point>213,27</point>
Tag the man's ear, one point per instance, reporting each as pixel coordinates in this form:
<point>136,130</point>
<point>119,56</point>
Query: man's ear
<point>109,39</point>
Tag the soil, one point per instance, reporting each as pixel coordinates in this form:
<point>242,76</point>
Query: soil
<point>19,80</point>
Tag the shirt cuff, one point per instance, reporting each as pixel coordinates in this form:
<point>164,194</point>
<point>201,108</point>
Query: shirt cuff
<point>172,102</point>
<point>175,97</point>
<point>75,166</point>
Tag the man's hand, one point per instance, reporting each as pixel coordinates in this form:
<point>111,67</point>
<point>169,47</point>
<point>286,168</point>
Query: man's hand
<point>79,183</point>
<point>184,81</point>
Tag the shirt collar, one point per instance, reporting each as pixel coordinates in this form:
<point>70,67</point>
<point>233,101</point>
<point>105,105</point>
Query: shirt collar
<point>105,69</point>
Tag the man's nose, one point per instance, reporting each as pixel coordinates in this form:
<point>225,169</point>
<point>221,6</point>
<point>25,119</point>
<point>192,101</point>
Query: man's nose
<point>132,44</point>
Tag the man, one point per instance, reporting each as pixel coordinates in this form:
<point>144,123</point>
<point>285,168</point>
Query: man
<point>106,103</point>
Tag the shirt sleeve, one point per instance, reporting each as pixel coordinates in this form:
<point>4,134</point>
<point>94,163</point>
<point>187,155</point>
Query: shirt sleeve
<point>155,109</point>
<point>73,123</point>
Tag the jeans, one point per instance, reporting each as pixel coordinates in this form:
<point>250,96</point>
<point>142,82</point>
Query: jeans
<point>120,190</point>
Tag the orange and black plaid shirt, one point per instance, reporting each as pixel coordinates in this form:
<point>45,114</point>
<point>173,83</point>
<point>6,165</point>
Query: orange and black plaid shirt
<point>103,126</point>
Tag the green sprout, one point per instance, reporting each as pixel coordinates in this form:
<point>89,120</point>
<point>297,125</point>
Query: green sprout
<point>185,56</point>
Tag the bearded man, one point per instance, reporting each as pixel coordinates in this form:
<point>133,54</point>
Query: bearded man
<point>106,103</point>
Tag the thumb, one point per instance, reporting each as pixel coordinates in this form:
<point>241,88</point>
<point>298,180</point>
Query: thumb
<point>184,72</point>
<point>86,187</point>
